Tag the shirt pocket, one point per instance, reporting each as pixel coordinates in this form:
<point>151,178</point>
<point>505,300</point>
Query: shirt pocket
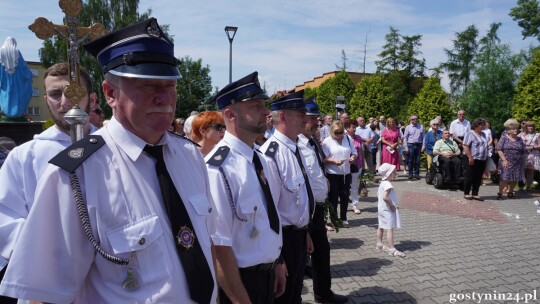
<point>252,210</point>
<point>294,183</point>
<point>203,209</point>
<point>143,238</point>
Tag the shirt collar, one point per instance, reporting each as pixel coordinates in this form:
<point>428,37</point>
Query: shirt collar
<point>303,139</point>
<point>128,142</point>
<point>285,140</point>
<point>238,146</point>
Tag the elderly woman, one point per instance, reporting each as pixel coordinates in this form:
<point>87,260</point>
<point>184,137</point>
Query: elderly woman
<point>475,147</point>
<point>532,147</point>
<point>430,139</point>
<point>340,153</point>
<point>178,126</point>
<point>510,149</point>
<point>209,128</point>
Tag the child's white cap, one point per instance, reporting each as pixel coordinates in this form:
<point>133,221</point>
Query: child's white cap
<point>385,170</point>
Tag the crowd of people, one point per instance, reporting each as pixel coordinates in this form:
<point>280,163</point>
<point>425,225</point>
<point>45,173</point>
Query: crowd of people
<point>221,206</point>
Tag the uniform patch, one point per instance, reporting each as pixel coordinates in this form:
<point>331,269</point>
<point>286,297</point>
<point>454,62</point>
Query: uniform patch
<point>219,156</point>
<point>76,153</point>
<point>185,237</point>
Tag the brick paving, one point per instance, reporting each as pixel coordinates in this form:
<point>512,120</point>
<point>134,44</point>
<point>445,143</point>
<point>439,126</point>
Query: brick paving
<point>452,245</point>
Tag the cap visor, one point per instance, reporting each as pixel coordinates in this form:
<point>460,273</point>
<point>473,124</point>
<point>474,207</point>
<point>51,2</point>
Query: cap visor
<point>147,70</point>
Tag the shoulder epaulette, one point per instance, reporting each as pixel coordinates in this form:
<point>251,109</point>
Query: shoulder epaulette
<point>73,156</point>
<point>219,156</point>
<point>272,149</point>
<point>184,137</point>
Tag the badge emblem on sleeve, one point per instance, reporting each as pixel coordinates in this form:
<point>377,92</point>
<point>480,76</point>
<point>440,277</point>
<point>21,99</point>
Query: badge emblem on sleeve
<point>185,237</point>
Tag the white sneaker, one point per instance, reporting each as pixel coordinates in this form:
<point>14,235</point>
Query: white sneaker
<point>538,210</point>
<point>536,203</point>
<point>356,210</point>
<point>345,224</point>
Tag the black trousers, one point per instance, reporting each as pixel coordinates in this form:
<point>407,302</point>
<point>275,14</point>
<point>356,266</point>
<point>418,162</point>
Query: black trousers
<point>451,167</point>
<point>340,189</point>
<point>294,254</point>
<point>473,176</point>
<point>259,285</point>
<point>320,258</point>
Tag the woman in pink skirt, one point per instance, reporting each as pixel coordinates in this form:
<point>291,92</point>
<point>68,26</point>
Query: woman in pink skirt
<point>391,138</point>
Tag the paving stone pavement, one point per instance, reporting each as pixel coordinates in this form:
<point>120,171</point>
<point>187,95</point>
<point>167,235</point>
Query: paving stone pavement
<point>453,247</point>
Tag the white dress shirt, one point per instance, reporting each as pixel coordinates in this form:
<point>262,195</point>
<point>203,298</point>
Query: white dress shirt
<point>236,225</point>
<point>293,204</point>
<point>53,261</point>
<point>317,180</point>
<point>460,128</point>
<point>19,176</point>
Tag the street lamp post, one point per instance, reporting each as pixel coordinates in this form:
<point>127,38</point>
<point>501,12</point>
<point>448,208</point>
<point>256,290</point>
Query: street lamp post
<point>231,32</point>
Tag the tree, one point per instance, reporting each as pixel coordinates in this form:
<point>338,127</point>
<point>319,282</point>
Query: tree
<point>401,55</point>
<point>339,85</point>
<point>379,94</point>
<point>430,102</point>
<point>408,53</point>
<point>490,93</point>
<point>194,88</point>
<point>390,60</point>
<point>113,14</point>
<point>527,14</point>
<point>344,62</point>
<point>526,103</point>
<point>461,59</point>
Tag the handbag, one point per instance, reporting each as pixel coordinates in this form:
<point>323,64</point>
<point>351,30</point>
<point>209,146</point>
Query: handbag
<point>354,168</point>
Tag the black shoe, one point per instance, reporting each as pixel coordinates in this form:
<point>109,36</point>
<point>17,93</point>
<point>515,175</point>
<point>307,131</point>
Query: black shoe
<point>334,298</point>
<point>417,176</point>
<point>410,176</point>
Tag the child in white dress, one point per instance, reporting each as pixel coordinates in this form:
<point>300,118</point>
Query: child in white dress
<point>387,210</point>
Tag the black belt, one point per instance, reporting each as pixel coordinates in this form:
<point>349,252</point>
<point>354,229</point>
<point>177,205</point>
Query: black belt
<point>259,267</point>
<point>294,228</point>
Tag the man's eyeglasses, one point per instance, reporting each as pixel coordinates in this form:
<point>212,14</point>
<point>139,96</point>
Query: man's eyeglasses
<point>54,95</point>
<point>218,127</point>
<point>436,125</point>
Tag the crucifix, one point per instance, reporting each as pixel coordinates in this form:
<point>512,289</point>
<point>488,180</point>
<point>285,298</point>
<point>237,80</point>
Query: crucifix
<point>45,29</point>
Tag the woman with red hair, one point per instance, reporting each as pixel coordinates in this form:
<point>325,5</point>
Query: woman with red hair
<point>209,128</point>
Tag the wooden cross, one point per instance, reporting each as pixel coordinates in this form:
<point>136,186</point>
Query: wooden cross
<point>45,29</point>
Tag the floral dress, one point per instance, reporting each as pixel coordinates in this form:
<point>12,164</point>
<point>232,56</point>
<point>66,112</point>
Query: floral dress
<point>532,158</point>
<point>513,152</point>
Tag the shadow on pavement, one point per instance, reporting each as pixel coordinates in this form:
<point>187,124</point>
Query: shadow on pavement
<point>381,295</point>
<point>409,245</point>
<point>369,209</point>
<point>346,243</point>
<point>361,268</point>
<point>372,222</point>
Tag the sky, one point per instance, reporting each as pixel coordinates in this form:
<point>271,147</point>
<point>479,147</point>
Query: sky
<point>289,42</point>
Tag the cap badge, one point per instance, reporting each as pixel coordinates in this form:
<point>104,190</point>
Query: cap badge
<point>76,153</point>
<point>185,237</point>
<point>153,29</point>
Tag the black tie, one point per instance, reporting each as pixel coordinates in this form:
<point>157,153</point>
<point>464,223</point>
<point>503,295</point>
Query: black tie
<point>319,152</point>
<point>196,269</point>
<point>308,187</point>
<point>273,217</point>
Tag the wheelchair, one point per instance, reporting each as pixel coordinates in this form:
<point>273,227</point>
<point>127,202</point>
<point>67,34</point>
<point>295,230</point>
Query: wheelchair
<point>437,176</point>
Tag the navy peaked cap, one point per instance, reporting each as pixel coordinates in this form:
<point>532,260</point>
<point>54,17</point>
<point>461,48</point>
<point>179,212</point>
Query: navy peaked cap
<point>246,88</point>
<point>140,50</point>
<point>293,101</point>
<point>311,107</point>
